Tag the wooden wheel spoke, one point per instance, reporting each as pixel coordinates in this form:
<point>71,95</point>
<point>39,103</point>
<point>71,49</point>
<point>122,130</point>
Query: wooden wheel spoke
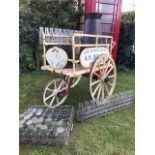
<point>103,59</point>
<point>103,90</point>
<point>57,99</point>
<point>111,76</point>
<point>106,88</point>
<point>96,82</point>
<point>97,75</point>
<point>65,88</point>
<point>99,66</point>
<point>60,85</point>
<point>52,100</point>
<point>49,97</point>
<point>74,81</point>
<point>99,92</point>
<point>55,86</point>
<point>111,84</point>
<point>109,71</point>
<point>49,89</point>
<point>95,91</point>
<point>107,66</point>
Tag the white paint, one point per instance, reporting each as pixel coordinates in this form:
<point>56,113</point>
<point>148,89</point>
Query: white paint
<point>56,57</point>
<point>89,55</point>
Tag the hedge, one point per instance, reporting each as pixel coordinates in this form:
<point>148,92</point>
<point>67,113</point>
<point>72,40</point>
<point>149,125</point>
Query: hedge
<point>126,48</point>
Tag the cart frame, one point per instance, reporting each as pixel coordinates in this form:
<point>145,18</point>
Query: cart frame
<point>76,69</point>
<point>102,72</point>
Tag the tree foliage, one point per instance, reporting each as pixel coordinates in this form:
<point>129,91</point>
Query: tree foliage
<point>126,49</point>
<point>47,13</point>
<point>63,14</point>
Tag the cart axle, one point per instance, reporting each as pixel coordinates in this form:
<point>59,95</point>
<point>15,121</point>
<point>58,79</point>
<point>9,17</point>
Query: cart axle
<point>106,79</point>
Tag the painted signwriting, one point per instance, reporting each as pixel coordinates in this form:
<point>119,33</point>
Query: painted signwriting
<point>56,57</point>
<point>89,55</point>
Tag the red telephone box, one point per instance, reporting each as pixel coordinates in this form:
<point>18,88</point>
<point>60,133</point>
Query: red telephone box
<point>109,18</point>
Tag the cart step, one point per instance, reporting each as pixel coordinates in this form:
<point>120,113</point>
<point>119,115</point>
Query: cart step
<point>94,109</point>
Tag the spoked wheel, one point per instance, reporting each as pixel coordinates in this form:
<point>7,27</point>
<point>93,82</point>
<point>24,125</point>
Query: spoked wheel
<point>55,93</point>
<point>102,77</point>
<point>75,80</point>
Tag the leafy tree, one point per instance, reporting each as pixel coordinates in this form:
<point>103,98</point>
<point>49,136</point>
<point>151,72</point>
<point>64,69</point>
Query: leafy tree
<point>47,13</point>
<point>126,49</point>
<point>63,14</point>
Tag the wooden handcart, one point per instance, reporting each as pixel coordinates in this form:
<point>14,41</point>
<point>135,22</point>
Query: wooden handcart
<point>86,57</point>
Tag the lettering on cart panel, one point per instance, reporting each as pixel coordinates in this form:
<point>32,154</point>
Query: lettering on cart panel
<point>89,55</point>
<point>56,57</point>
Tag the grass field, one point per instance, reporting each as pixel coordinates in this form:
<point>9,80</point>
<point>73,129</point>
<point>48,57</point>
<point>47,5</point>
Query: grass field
<point>110,135</point>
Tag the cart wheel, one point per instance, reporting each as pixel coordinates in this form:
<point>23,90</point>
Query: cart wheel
<point>102,77</point>
<point>55,93</point>
<point>75,80</point>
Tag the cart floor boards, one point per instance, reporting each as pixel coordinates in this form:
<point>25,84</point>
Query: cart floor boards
<point>103,107</point>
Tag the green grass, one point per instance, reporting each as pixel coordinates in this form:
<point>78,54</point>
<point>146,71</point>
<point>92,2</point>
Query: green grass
<point>110,135</point>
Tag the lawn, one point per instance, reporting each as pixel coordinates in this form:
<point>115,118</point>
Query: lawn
<point>110,135</point>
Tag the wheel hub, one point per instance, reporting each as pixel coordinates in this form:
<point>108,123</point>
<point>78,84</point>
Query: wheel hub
<point>106,79</point>
<point>61,94</point>
<point>55,92</point>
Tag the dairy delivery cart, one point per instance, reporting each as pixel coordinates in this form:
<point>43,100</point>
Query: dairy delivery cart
<point>71,55</point>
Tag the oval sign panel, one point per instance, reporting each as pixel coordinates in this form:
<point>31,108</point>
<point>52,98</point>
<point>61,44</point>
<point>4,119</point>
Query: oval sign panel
<point>89,55</point>
<point>56,57</point>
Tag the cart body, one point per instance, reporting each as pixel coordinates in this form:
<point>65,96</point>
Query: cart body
<point>89,54</point>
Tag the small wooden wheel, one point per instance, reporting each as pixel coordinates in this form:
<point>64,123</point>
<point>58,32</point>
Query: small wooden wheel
<point>102,77</point>
<point>55,93</point>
